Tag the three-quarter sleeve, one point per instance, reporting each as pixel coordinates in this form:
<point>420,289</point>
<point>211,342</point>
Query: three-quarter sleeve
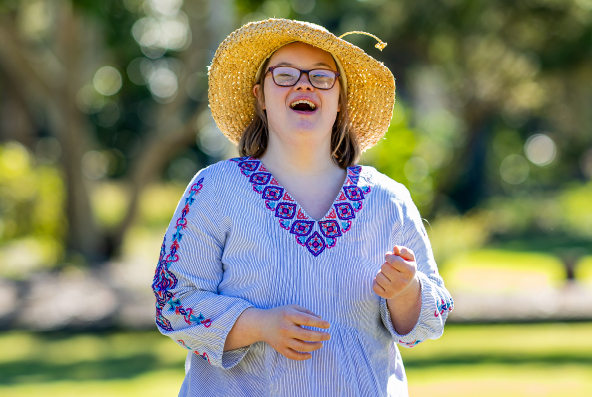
<point>189,308</point>
<point>436,301</point>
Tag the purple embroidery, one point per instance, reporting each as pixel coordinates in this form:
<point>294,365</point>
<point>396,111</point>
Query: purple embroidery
<point>410,344</point>
<point>164,280</point>
<point>203,355</point>
<point>292,218</point>
<point>315,244</point>
<point>344,211</point>
<point>442,307</point>
<point>330,229</point>
<point>272,193</point>
<point>285,210</point>
<point>353,193</point>
<point>302,228</point>
<point>260,178</point>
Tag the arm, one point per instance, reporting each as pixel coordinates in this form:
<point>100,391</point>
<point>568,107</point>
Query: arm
<point>417,305</point>
<point>188,307</point>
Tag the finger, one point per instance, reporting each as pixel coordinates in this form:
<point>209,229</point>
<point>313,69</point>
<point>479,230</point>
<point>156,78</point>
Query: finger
<point>396,262</point>
<point>303,310</point>
<point>308,320</point>
<point>378,289</point>
<point>384,282</point>
<point>309,335</point>
<point>389,272</point>
<point>301,346</point>
<point>294,355</point>
<point>404,252</point>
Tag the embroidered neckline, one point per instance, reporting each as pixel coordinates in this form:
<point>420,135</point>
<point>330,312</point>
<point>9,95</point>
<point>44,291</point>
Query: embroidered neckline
<point>315,236</point>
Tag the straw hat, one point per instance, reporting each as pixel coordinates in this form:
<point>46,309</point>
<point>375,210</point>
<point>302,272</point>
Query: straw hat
<point>370,84</point>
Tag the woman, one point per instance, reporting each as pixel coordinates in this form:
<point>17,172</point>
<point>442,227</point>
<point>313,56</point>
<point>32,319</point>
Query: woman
<point>277,269</point>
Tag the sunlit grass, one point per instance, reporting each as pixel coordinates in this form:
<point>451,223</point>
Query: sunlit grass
<point>502,271</point>
<point>475,360</point>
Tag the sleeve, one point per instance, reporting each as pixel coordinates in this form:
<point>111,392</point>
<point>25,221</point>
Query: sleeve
<point>188,306</point>
<point>436,301</point>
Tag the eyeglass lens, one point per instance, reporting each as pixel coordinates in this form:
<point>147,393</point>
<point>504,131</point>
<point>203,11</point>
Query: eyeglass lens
<point>319,78</point>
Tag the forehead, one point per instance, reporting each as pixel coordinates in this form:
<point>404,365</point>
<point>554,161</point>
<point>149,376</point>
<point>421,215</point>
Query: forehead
<point>302,54</point>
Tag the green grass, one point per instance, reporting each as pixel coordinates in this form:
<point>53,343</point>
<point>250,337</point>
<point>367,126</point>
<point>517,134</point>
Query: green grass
<point>508,360</point>
<point>474,360</point>
<point>504,271</point>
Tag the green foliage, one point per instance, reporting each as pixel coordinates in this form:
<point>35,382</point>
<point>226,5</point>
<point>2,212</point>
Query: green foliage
<point>32,224</point>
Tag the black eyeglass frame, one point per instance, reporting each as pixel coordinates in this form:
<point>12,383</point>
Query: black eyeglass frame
<point>271,68</point>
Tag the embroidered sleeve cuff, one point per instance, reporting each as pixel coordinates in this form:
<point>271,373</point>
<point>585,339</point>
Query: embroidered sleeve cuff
<point>426,327</point>
<point>213,338</point>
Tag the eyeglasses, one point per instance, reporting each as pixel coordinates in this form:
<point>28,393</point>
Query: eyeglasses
<point>287,76</point>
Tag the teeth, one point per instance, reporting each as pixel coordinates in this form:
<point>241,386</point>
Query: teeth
<point>309,103</point>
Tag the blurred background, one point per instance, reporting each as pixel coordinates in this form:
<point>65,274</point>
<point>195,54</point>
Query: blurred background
<point>104,120</point>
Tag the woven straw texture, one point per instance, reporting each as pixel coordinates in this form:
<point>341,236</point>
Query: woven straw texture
<point>370,84</point>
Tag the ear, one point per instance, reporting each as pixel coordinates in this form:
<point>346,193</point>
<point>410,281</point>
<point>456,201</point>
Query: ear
<point>256,89</point>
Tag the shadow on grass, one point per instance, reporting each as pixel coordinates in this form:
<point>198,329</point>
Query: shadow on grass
<point>27,371</point>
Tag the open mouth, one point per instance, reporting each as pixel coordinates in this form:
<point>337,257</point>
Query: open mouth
<point>303,105</point>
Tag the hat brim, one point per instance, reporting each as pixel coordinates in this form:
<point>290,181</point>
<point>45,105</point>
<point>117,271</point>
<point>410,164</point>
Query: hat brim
<point>370,84</point>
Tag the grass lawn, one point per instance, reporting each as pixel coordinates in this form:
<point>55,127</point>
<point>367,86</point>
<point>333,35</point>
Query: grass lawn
<point>475,360</point>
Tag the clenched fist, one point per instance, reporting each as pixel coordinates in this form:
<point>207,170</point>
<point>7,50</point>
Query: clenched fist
<point>397,273</point>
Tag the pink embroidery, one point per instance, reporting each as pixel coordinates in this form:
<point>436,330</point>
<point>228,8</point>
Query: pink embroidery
<point>203,355</point>
<point>164,280</point>
<point>410,344</point>
<point>442,307</point>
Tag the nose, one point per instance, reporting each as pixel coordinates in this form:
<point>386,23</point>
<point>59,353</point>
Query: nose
<point>303,83</point>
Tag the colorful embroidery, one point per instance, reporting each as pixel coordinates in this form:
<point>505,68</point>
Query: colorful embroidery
<point>164,280</point>
<point>442,307</point>
<point>410,344</point>
<point>203,355</point>
<point>293,219</point>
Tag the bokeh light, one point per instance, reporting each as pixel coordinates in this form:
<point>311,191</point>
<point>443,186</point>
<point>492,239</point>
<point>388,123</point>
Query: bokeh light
<point>416,169</point>
<point>163,84</point>
<point>209,138</point>
<point>514,169</point>
<point>107,81</point>
<point>303,6</point>
<point>540,149</point>
<point>165,27</point>
<point>88,100</point>
<point>95,165</point>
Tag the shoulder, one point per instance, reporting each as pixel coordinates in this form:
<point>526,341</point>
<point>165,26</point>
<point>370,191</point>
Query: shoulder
<point>221,175</point>
<point>384,186</point>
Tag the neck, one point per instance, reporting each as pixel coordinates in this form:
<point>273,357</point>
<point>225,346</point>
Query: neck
<point>299,157</point>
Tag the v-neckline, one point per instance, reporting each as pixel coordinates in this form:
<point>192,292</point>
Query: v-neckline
<point>343,184</point>
<point>292,216</point>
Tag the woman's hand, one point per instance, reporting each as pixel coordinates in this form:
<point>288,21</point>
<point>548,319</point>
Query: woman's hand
<point>397,275</point>
<point>397,282</point>
<point>281,329</point>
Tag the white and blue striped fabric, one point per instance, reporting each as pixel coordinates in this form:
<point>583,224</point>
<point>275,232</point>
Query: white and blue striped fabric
<point>238,240</point>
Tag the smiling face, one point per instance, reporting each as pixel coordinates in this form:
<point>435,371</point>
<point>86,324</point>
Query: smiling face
<point>300,111</point>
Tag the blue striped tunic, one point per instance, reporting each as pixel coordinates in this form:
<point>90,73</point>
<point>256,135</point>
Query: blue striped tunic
<point>239,240</point>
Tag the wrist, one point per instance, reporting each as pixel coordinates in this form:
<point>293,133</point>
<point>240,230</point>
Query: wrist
<point>409,294</point>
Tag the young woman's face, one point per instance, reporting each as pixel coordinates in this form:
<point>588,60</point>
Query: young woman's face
<point>283,119</point>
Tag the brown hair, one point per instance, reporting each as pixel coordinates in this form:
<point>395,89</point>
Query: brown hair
<point>345,150</point>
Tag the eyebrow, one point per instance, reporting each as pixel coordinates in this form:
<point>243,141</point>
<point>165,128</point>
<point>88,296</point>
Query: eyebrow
<point>316,64</point>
